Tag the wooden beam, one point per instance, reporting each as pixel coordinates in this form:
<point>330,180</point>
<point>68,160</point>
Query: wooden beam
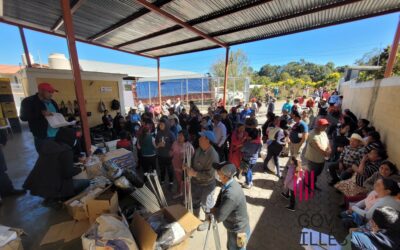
<point>165,14</point>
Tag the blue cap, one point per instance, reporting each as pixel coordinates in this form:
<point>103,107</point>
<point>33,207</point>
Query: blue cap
<point>209,135</point>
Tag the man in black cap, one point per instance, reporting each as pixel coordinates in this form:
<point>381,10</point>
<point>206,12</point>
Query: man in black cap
<point>231,207</point>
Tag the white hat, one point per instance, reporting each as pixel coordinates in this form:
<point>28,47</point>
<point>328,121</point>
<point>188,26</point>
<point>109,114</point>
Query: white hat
<point>357,137</point>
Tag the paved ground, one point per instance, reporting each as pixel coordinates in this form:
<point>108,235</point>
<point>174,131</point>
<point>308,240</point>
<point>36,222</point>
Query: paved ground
<point>273,227</point>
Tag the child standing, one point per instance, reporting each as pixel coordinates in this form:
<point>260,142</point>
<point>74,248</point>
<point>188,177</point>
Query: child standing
<point>250,151</point>
<point>292,181</point>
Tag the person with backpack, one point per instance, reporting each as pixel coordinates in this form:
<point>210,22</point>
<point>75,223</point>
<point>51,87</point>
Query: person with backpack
<point>276,142</point>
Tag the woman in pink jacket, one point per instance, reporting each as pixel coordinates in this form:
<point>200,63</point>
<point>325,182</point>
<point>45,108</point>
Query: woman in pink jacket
<point>178,150</point>
<point>239,137</point>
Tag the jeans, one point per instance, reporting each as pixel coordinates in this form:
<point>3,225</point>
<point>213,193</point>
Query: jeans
<point>232,240</point>
<point>354,217</point>
<point>333,171</point>
<point>165,164</point>
<point>249,174</point>
<point>360,240</point>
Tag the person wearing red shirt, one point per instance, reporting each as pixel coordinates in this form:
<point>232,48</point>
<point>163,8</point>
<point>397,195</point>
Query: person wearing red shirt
<point>310,103</point>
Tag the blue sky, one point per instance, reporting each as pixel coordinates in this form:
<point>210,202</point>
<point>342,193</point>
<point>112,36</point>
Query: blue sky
<point>341,44</point>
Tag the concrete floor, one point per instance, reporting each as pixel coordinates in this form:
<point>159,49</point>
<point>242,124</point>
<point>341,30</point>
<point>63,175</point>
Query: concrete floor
<point>273,227</point>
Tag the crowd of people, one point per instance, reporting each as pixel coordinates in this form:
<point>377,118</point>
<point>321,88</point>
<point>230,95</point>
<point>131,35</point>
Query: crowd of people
<point>315,132</point>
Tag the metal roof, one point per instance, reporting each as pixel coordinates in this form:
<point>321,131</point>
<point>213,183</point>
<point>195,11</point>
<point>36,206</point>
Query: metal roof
<point>160,28</point>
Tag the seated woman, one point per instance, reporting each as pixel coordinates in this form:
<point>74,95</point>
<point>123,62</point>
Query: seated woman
<point>51,177</point>
<point>369,165</point>
<point>384,194</point>
<point>374,141</point>
<point>386,170</point>
<point>125,141</point>
<point>384,233</point>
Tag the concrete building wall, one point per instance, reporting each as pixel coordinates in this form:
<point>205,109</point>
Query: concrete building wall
<point>379,102</point>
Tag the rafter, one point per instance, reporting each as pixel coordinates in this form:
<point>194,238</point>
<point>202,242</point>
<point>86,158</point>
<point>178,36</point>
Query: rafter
<point>74,7</point>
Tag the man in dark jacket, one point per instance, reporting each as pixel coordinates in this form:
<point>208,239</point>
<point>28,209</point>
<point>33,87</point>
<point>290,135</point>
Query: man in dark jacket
<point>231,208</point>
<point>34,110</point>
<point>6,186</point>
<point>203,176</point>
<point>51,177</point>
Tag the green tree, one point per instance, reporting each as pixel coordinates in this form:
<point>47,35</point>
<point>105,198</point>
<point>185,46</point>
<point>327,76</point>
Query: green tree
<point>238,67</point>
<point>376,58</point>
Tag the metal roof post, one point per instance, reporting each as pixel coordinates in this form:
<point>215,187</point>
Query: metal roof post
<point>226,76</point>
<point>393,52</point>
<point>24,44</point>
<point>69,32</point>
<point>159,81</point>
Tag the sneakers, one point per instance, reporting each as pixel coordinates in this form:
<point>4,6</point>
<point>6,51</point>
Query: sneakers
<point>290,208</point>
<point>286,196</point>
<point>248,186</point>
<point>203,226</point>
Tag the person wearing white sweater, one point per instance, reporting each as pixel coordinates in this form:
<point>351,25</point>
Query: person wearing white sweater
<point>384,194</point>
<point>387,191</point>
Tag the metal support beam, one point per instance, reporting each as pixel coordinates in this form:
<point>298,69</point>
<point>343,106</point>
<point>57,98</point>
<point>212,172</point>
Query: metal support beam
<point>32,27</point>
<point>251,25</point>
<point>202,19</point>
<point>74,7</point>
<point>127,20</point>
<point>73,54</point>
<point>226,76</point>
<point>393,52</point>
<point>159,81</point>
<point>165,14</point>
<point>25,45</point>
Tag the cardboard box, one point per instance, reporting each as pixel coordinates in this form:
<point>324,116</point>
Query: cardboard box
<point>65,231</point>
<point>146,237</point>
<point>5,87</point>
<point>9,109</point>
<point>13,245</point>
<point>77,210</point>
<point>94,167</point>
<point>105,202</point>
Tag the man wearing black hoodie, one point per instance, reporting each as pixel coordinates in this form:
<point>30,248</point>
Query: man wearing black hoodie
<point>51,177</point>
<point>164,140</point>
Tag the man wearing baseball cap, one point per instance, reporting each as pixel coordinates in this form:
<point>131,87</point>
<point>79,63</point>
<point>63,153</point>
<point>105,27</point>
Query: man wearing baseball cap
<point>351,155</point>
<point>203,175</point>
<point>231,207</point>
<point>34,110</point>
<point>317,150</point>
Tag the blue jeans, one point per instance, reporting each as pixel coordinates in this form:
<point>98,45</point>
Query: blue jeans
<point>356,218</point>
<point>249,174</point>
<point>359,240</point>
<point>232,240</point>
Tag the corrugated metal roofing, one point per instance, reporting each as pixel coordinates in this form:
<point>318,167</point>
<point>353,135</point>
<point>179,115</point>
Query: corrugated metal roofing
<point>127,25</point>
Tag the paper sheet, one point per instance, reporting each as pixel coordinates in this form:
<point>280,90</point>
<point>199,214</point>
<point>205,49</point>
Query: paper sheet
<point>57,120</point>
<point>65,231</point>
<point>6,235</point>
